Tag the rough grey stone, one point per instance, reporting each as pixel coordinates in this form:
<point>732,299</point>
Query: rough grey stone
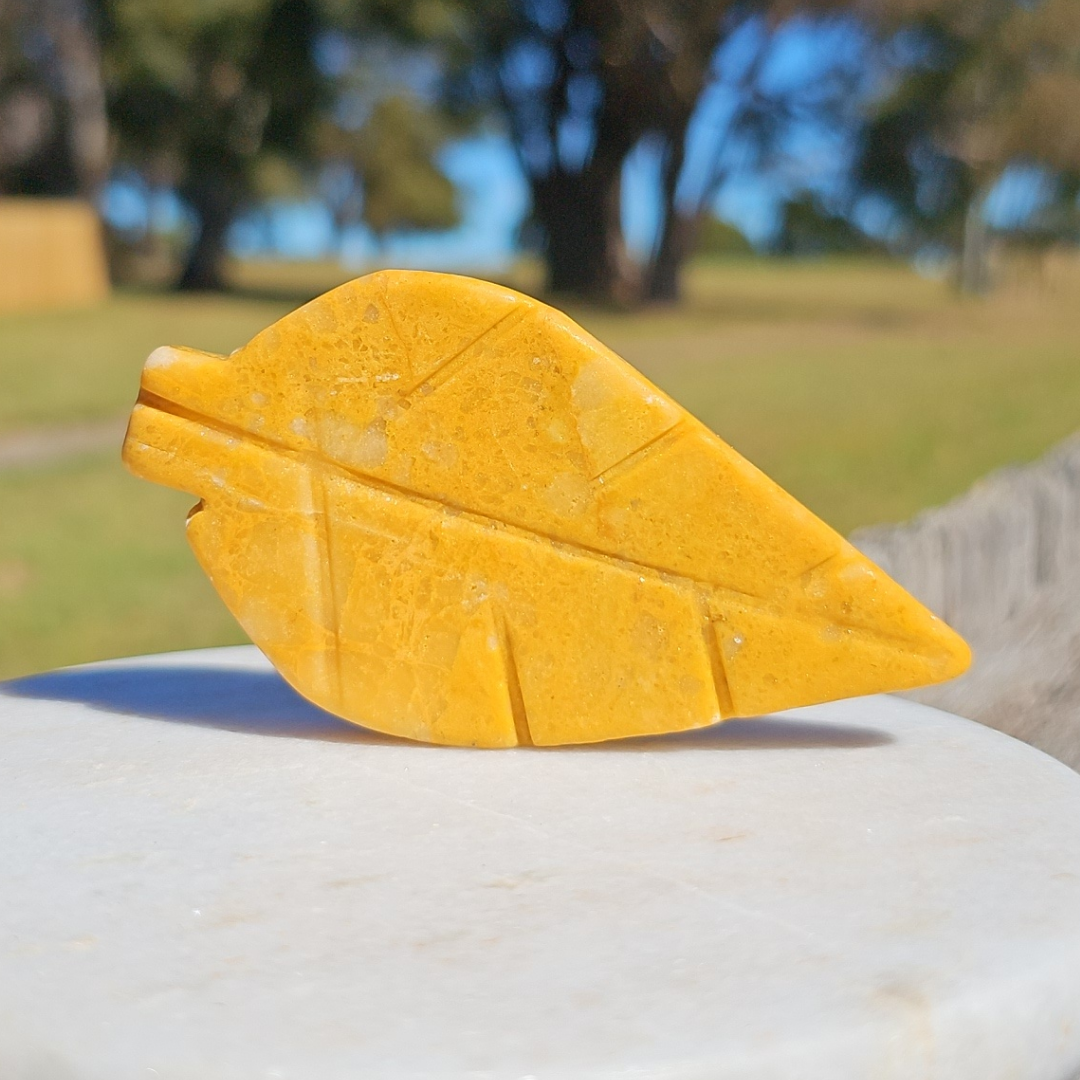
<point>1001,564</point>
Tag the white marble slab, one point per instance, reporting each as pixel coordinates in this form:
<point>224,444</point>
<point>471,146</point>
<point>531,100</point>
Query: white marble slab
<point>203,878</point>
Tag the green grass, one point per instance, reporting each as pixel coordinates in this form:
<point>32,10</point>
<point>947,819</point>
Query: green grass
<point>93,563</point>
<point>84,365</point>
<point>871,395</point>
<point>868,392</point>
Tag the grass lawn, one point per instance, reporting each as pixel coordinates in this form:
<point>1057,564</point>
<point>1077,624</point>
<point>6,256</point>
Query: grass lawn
<point>867,391</point>
<point>83,365</point>
<point>93,563</point>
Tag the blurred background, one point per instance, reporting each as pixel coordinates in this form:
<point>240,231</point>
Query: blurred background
<point>841,232</point>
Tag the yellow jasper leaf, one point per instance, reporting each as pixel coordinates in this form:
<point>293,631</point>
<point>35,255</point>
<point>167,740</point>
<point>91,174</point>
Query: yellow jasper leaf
<point>445,511</point>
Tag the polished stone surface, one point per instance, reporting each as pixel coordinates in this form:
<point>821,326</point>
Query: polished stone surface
<point>205,878</point>
<point>446,512</point>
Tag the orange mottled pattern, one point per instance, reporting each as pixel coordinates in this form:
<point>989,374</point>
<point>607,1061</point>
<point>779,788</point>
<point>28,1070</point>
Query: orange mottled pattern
<point>445,511</point>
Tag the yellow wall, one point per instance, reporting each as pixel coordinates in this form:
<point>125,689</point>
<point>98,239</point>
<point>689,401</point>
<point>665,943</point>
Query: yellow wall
<point>51,254</point>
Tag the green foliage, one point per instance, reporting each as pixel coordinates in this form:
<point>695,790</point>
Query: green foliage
<point>982,84</point>
<point>278,176</point>
<point>53,129</point>
<point>285,74</point>
<point>807,229</point>
<point>224,99</point>
<point>201,90</point>
<point>721,239</point>
<point>394,152</point>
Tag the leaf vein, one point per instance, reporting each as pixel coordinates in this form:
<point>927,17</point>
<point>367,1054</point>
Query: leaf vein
<point>429,379</point>
<point>387,487</point>
<point>629,461</point>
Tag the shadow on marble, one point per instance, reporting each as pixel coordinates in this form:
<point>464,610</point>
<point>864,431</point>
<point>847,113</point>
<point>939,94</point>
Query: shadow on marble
<point>262,703</point>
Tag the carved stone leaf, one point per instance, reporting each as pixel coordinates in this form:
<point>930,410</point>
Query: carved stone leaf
<point>447,512</point>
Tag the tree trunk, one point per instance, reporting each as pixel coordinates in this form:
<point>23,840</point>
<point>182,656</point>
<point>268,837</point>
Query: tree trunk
<point>677,231</point>
<point>216,200</point>
<point>676,246</point>
<point>975,256</point>
<point>580,217</point>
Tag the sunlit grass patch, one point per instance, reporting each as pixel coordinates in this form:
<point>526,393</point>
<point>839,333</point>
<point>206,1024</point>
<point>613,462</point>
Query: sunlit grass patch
<point>94,563</point>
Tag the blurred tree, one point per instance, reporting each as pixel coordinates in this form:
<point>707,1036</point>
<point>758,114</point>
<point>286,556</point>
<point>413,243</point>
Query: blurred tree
<point>393,153</point>
<point>809,229</point>
<point>720,239</point>
<point>227,100</point>
<point>972,86</point>
<point>581,83</point>
<point>53,126</point>
<point>585,83</point>
<point>199,90</point>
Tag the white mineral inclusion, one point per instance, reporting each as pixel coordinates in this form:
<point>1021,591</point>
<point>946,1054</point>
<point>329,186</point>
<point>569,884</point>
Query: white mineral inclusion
<point>590,390</point>
<point>162,357</point>
<point>362,448</point>
<point>372,447</point>
<point>442,453</point>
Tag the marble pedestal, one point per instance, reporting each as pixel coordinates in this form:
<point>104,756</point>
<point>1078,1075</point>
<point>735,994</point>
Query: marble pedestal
<point>204,878</point>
